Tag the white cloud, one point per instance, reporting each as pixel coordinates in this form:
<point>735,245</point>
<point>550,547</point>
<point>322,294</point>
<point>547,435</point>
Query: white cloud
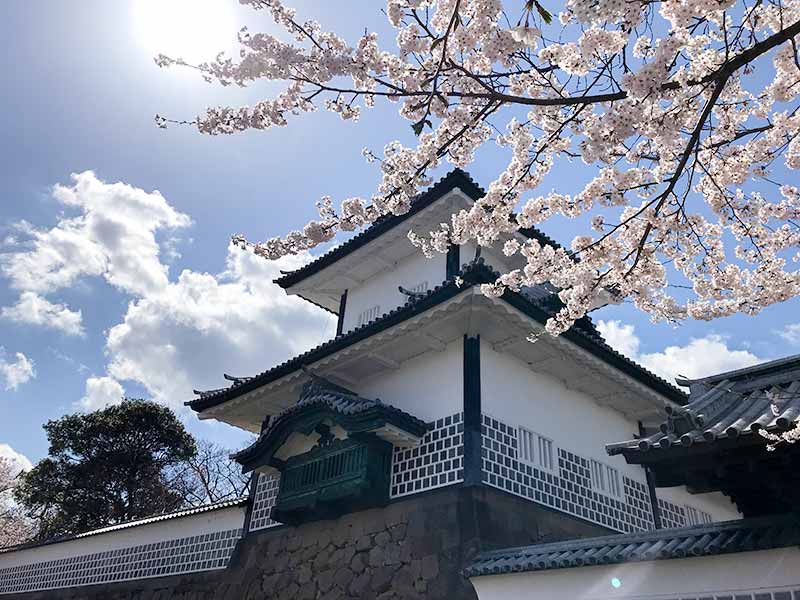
<point>101,392</point>
<point>113,237</point>
<point>791,333</point>
<point>701,357</point>
<point>175,335</point>
<point>17,372</point>
<point>621,337</point>
<point>19,461</point>
<point>32,309</point>
<point>202,325</point>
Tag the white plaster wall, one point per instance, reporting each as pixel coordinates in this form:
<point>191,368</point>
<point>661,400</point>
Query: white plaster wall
<point>382,289</point>
<point>768,570</point>
<point>716,504</point>
<point>179,527</point>
<point>513,393</point>
<point>428,386</point>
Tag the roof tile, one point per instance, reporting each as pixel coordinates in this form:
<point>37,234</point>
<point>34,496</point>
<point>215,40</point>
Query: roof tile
<point>703,540</point>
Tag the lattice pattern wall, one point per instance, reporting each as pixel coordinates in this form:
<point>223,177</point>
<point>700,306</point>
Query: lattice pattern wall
<point>436,462</point>
<point>168,557</point>
<point>263,501</point>
<point>753,595</point>
<point>568,486</point>
<point>672,515</point>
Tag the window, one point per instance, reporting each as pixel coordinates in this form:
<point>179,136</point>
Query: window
<point>536,449</point>
<point>697,517</point>
<point>365,316</point>
<point>419,288</point>
<point>605,479</point>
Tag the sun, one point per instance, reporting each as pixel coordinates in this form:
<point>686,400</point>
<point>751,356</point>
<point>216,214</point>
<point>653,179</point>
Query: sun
<point>195,30</point>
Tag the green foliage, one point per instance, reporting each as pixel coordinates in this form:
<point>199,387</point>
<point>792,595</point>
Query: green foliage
<point>106,467</point>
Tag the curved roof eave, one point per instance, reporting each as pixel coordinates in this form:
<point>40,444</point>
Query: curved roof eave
<point>583,335</point>
<point>454,179</point>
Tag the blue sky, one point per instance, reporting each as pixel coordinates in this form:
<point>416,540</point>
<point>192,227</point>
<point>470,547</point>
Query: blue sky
<point>79,95</point>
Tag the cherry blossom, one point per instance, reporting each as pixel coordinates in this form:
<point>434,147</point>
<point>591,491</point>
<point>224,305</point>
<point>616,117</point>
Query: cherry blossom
<point>686,112</point>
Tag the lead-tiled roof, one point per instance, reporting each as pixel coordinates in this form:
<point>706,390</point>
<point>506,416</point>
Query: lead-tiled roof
<point>733,405</point>
<point>704,540</point>
<point>320,394</point>
<point>454,179</point>
<point>187,512</point>
<point>583,333</point>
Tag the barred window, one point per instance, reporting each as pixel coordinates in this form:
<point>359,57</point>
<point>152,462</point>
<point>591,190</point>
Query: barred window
<point>605,478</point>
<point>370,314</point>
<point>536,449</point>
<point>696,516</point>
<point>422,286</point>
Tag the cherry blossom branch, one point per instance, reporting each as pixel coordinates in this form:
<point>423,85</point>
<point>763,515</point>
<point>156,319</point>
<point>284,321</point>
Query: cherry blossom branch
<point>675,134</point>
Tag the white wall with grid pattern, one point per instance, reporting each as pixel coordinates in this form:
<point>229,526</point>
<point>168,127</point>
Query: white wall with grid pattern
<point>520,398</point>
<point>264,499</point>
<point>181,545</point>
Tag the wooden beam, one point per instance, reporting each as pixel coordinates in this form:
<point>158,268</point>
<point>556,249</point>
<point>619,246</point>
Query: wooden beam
<point>354,282</point>
<point>604,400</point>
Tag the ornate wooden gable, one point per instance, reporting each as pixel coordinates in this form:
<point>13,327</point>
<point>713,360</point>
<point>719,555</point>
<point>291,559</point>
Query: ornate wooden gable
<point>333,450</point>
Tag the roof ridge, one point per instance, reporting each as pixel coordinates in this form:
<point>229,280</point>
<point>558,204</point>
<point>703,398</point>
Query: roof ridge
<point>735,374</point>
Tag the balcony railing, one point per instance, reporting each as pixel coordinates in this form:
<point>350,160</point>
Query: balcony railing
<point>326,482</point>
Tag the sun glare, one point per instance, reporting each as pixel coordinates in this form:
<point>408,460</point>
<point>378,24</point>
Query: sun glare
<point>195,30</point>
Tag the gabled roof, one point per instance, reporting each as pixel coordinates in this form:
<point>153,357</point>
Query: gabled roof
<point>583,334</point>
<point>454,179</point>
<point>321,400</point>
<point>703,540</point>
<point>728,406</point>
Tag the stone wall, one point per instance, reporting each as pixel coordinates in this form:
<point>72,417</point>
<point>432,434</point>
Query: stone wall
<point>412,549</point>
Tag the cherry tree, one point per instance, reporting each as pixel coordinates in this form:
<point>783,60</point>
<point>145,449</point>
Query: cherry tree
<point>685,111</point>
<point>14,527</point>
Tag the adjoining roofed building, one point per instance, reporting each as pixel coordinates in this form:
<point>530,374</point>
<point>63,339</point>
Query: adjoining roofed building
<point>712,443</point>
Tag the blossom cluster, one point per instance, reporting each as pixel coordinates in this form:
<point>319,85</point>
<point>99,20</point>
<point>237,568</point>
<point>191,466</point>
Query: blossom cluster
<point>687,146</point>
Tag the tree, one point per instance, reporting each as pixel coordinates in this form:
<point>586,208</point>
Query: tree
<point>210,476</point>
<point>105,467</point>
<point>14,527</point>
<point>684,111</point>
